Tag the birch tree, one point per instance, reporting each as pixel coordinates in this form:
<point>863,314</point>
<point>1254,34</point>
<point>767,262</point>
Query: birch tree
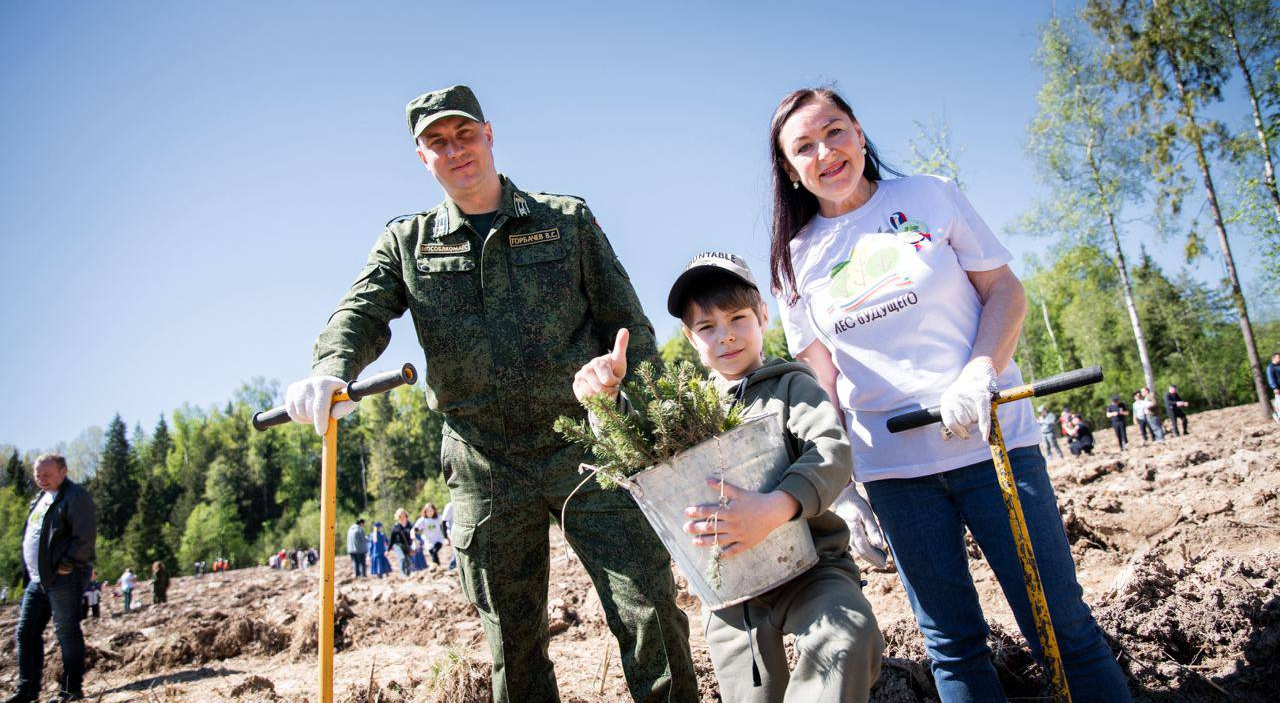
<point>1083,154</point>
<point>1168,55</point>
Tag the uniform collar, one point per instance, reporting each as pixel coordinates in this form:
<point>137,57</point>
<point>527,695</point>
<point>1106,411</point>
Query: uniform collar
<point>514,204</point>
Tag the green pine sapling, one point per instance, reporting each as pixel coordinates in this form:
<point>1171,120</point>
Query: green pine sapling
<point>670,412</point>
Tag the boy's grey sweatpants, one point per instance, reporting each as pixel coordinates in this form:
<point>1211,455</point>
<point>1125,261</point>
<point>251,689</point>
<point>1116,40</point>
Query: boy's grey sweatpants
<point>837,639</point>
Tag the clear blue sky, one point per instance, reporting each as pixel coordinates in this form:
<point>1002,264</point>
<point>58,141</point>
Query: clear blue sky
<point>189,187</point>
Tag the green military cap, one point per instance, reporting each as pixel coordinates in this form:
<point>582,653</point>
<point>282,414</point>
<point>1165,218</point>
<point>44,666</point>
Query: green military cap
<point>456,101</point>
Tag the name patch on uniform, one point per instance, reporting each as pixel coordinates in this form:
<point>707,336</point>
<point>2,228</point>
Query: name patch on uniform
<point>444,248</point>
<point>541,237</point>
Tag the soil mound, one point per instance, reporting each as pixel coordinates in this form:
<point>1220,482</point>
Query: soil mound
<point>1206,629</point>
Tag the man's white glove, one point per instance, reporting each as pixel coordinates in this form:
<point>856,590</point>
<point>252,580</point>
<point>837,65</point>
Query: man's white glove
<point>309,400</point>
<point>864,532</point>
<point>968,400</point>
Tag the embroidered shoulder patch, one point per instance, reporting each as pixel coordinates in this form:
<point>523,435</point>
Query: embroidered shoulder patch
<point>539,237</point>
<point>462,248</point>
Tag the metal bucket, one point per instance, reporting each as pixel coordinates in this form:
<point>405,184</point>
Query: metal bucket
<point>750,456</point>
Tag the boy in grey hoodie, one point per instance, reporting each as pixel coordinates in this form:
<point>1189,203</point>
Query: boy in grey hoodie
<point>838,640</point>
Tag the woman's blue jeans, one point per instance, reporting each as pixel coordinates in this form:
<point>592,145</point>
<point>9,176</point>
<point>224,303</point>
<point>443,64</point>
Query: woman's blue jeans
<point>924,520</point>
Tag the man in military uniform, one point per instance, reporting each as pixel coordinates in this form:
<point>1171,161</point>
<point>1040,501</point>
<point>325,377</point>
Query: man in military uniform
<point>511,292</point>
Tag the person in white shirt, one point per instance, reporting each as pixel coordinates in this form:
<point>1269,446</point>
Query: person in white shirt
<point>431,526</point>
<point>126,583</point>
<point>900,297</point>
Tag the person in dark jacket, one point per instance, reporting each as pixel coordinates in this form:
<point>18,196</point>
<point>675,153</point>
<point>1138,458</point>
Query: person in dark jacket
<point>1173,407</point>
<point>57,555</point>
<point>1081,437</point>
<point>1119,416</point>
<point>402,541</point>
<point>160,583</point>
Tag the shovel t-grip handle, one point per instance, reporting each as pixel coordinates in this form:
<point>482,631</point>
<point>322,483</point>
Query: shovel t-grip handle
<point>1045,386</point>
<point>383,382</point>
<point>380,383</point>
<point>1067,381</point>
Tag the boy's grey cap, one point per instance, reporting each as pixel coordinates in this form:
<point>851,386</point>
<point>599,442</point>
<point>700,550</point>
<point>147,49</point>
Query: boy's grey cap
<point>706,265</point>
<point>456,101</point>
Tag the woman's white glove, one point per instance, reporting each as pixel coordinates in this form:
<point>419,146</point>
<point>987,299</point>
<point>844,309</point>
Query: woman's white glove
<point>864,532</point>
<point>309,400</point>
<point>968,400</point>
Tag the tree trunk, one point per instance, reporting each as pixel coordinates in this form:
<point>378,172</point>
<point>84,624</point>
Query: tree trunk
<point>1268,168</point>
<point>1044,310</point>
<point>1126,286</point>
<point>1237,296</point>
<point>1027,358</point>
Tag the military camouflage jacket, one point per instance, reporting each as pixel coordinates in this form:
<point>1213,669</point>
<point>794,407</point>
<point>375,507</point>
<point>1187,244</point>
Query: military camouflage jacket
<point>505,317</point>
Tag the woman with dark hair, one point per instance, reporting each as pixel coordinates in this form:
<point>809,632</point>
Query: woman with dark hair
<point>900,297</point>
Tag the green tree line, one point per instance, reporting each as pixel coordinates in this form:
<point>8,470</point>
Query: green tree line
<point>202,484</point>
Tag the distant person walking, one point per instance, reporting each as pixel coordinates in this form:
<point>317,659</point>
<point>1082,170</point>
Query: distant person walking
<point>402,541</point>
<point>1173,407</point>
<point>92,597</point>
<point>378,564</point>
<point>431,525</point>
<point>358,547</point>
<point>128,580</point>
<point>159,583</point>
<point>1119,418</point>
<point>58,550</point>
<point>1140,405</point>
<point>419,551</point>
<point>1047,435</point>
<point>1273,380</point>
<point>1153,417</point>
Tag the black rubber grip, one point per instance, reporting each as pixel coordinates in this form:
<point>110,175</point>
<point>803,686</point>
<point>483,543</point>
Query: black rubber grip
<point>382,382</point>
<point>1045,386</point>
<point>356,390</point>
<point>914,419</point>
<point>1067,381</point>
<point>270,418</point>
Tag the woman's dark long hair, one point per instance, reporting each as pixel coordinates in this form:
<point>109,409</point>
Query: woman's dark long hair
<point>794,207</point>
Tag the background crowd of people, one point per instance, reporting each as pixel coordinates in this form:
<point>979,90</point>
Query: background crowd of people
<point>1078,431</point>
<point>409,545</point>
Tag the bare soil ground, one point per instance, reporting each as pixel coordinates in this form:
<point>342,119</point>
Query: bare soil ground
<point>1177,546</point>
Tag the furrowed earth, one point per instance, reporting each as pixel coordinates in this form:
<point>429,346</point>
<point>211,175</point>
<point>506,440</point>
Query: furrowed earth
<point>1177,547</point>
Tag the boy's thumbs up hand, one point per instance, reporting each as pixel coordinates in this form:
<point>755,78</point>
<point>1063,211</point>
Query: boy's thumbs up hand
<point>604,373</point>
<point>618,357</point>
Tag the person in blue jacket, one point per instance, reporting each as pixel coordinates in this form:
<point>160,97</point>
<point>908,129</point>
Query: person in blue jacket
<point>379,565</point>
<point>1273,380</point>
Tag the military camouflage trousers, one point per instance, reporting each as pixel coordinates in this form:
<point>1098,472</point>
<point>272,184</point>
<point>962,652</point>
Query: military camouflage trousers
<point>502,503</point>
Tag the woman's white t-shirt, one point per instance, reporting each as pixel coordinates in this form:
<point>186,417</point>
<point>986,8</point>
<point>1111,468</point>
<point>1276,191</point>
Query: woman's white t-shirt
<point>429,528</point>
<point>885,289</point>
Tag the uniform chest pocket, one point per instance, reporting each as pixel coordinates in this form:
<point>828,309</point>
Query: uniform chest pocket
<point>538,253</point>
<point>445,264</point>
<point>446,284</point>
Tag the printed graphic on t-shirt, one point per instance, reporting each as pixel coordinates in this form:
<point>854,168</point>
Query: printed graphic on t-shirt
<point>910,231</point>
<point>877,263</point>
